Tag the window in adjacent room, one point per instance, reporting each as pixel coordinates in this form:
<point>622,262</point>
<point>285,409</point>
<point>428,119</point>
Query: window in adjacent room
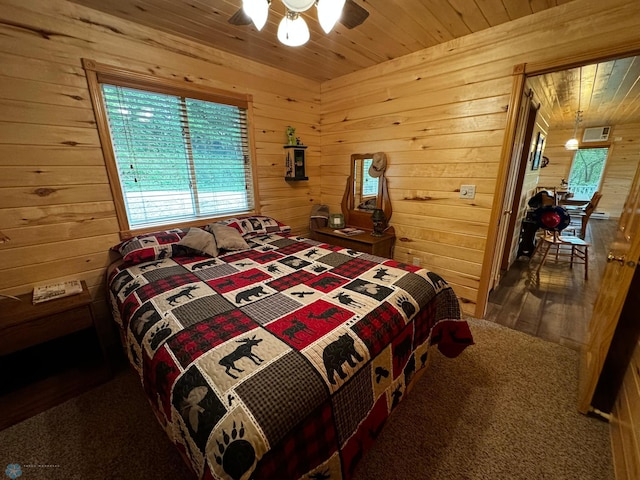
<point>179,153</point>
<point>586,172</point>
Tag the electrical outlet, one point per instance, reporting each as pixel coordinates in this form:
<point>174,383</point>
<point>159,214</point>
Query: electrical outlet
<point>467,191</point>
<point>416,261</point>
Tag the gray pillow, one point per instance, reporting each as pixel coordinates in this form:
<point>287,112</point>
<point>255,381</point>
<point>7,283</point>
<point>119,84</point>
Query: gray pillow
<point>227,238</point>
<point>199,240</point>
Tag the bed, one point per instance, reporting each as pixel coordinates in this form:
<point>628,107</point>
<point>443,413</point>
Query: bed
<point>282,358</point>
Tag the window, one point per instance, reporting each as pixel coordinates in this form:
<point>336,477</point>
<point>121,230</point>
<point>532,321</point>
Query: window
<point>370,184</point>
<point>586,172</point>
<point>176,153</point>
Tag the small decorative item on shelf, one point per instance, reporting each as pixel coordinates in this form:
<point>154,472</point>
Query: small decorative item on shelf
<point>336,220</point>
<point>294,162</point>
<point>379,222</point>
<point>291,135</point>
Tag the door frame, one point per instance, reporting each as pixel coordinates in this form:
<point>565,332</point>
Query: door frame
<point>493,252</point>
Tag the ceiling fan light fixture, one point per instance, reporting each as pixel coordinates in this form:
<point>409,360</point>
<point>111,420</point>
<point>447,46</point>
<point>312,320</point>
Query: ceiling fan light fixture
<point>293,30</point>
<point>329,12</point>
<point>257,10</point>
<point>298,5</point>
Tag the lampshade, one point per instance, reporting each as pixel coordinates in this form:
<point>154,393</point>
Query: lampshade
<point>298,5</point>
<point>329,12</point>
<point>258,11</point>
<point>572,144</point>
<point>293,30</point>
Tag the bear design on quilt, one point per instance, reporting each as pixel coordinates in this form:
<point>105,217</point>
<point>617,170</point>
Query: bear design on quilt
<point>337,353</point>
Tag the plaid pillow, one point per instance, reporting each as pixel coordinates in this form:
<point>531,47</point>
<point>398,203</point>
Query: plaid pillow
<point>250,225</point>
<point>149,246</point>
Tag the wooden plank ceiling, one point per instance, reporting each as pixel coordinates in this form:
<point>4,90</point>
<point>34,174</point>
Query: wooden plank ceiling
<point>394,28</point>
<point>610,92</point>
<point>607,93</point>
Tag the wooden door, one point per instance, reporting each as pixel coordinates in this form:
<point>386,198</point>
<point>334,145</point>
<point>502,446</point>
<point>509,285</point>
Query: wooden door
<point>509,254</point>
<point>622,261</point>
<point>504,222</point>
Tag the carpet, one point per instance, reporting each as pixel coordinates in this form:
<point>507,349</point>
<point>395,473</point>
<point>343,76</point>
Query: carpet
<point>504,409</point>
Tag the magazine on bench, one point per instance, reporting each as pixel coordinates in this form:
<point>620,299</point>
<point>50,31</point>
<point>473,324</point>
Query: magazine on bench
<point>349,231</point>
<point>44,293</point>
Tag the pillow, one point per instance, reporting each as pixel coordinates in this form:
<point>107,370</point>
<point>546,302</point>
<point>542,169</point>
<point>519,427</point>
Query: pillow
<point>149,246</point>
<point>227,238</point>
<point>201,241</point>
<point>254,225</point>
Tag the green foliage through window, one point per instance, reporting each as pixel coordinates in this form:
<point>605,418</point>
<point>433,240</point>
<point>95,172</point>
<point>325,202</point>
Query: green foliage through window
<point>178,157</point>
<point>586,172</point>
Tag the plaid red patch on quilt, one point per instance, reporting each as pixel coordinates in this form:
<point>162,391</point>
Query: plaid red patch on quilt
<point>284,360</point>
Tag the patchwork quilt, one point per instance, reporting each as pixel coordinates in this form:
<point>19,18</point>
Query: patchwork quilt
<point>284,360</point>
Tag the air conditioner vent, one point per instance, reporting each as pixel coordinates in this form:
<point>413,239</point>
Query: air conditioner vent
<point>596,134</point>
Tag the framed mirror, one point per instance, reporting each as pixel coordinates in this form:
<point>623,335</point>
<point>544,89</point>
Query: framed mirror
<point>366,190</point>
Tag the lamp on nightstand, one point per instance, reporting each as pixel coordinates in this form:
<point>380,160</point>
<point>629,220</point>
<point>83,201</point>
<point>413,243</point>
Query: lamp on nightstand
<point>379,222</point>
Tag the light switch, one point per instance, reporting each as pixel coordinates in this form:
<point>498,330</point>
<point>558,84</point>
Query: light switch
<point>467,191</point>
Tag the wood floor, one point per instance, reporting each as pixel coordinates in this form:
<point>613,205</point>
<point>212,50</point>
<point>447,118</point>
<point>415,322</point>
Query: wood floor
<point>557,306</point>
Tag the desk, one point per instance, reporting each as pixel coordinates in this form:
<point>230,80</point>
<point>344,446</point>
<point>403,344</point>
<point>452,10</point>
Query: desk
<point>364,242</point>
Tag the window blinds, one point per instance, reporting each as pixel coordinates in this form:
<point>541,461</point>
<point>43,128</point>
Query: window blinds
<point>177,157</point>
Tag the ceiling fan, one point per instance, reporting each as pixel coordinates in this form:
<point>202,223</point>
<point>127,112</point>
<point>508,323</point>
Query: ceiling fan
<point>352,15</point>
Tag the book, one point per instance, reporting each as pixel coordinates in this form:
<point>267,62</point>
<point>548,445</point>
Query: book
<point>44,293</point>
<point>349,231</point>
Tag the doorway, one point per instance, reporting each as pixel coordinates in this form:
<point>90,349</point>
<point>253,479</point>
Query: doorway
<point>623,251</point>
<point>597,89</point>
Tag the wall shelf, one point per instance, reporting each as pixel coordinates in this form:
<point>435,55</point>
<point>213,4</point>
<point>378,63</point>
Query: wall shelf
<point>295,163</point>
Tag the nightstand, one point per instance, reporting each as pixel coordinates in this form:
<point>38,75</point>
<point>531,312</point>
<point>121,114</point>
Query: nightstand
<point>49,352</point>
<point>364,242</point>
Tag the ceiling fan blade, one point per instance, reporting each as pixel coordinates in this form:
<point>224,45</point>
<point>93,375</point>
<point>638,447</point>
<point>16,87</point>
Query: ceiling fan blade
<point>353,14</point>
<point>240,18</point>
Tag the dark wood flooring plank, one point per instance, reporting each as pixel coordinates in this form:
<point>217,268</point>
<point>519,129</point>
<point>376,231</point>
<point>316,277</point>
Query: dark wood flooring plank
<point>556,304</point>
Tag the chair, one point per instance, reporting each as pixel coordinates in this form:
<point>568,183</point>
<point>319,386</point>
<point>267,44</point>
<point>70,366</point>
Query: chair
<point>578,208</point>
<point>573,248</point>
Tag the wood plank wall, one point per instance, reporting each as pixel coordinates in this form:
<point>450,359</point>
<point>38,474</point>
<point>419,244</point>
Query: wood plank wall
<point>55,202</point>
<point>440,115</point>
<point>623,160</point>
